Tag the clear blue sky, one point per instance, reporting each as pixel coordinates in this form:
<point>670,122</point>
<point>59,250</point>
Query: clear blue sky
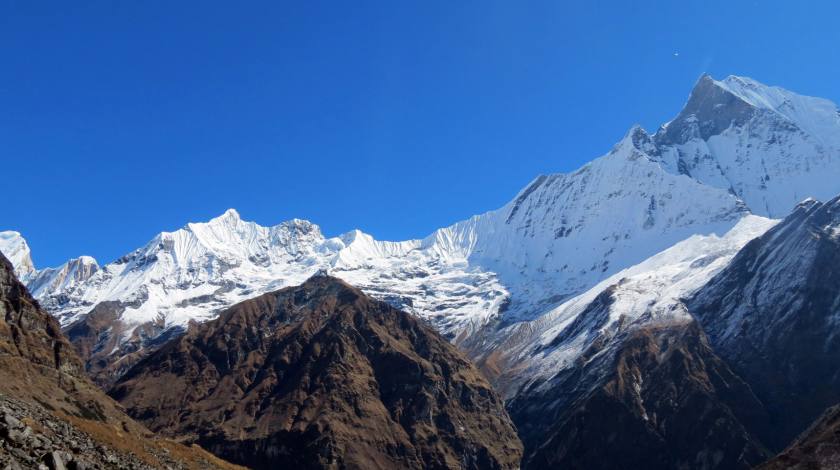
<point>122,119</point>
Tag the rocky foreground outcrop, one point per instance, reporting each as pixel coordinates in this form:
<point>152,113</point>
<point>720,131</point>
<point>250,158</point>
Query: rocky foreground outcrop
<point>322,376</point>
<point>33,437</point>
<point>52,416</point>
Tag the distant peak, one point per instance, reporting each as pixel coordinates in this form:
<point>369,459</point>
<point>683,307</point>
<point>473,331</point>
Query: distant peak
<point>299,224</point>
<point>352,236</point>
<point>230,214</point>
<point>9,234</point>
<point>712,107</point>
<point>704,78</point>
<point>229,217</point>
<point>741,80</point>
<point>87,260</point>
<point>638,135</point>
<point>15,248</point>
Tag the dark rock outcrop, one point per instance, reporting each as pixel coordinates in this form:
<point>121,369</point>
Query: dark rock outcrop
<point>322,376</point>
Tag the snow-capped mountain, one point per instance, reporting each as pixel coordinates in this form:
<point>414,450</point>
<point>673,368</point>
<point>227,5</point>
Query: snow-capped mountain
<point>737,147</point>
<point>65,278</point>
<point>565,232</point>
<point>192,273</point>
<point>770,147</point>
<point>774,315</point>
<point>650,292</point>
<point>15,248</point>
<point>627,357</point>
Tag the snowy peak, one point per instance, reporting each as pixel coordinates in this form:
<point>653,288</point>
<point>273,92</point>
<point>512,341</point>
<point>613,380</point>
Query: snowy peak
<point>715,105</point>
<point>15,248</point>
<point>821,219</point>
<point>768,146</point>
<point>70,274</point>
<point>711,109</point>
<point>233,241</point>
<point>230,214</point>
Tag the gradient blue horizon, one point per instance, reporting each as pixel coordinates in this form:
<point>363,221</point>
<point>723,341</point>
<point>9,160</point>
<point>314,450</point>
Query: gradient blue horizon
<point>123,119</point>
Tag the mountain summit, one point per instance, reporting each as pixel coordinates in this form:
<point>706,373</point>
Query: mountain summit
<point>770,147</point>
<point>16,250</point>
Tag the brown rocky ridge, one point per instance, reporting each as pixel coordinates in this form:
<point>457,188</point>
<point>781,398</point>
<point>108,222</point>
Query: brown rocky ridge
<point>322,376</point>
<point>52,416</point>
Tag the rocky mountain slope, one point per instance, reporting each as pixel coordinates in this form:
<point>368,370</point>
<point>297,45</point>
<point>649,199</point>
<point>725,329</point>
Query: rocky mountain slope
<point>773,313</point>
<point>322,376</point>
<point>817,448</point>
<point>737,147</point>
<point>623,369</point>
<point>660,400</point>
<point>51,415</point>
<point>624,362</point>
<point>649,293</point>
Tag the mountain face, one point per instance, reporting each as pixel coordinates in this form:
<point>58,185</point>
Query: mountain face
<point>738,147</point>
<point>30,334</point>
<point>65,278</point>
<point>768,146</point>
<point>622,373</point>
<point>51,415</point>
<point>772,314</point>
<point>661,400</point>
<point>322,376</point>
<point>648,294</point>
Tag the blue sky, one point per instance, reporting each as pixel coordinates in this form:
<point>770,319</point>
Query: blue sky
<point>122,119</point>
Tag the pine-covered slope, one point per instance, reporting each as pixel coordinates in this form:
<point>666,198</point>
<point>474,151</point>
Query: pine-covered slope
<point>322,376</point>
